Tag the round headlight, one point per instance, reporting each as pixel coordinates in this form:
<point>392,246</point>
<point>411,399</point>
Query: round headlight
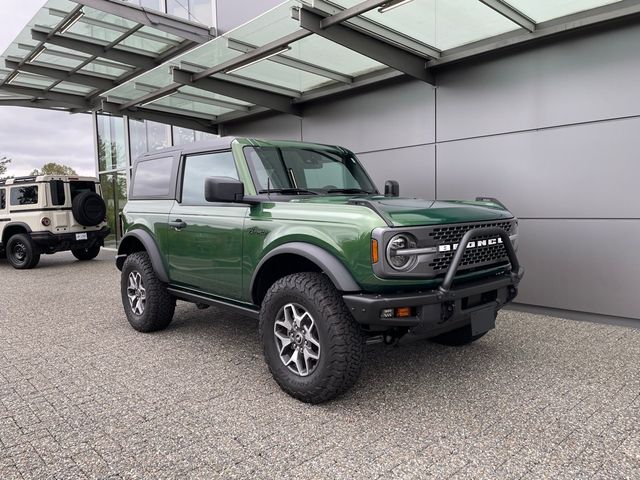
<point>401,241</point>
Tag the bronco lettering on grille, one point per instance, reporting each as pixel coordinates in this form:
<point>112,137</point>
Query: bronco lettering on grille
<point>473,244</point>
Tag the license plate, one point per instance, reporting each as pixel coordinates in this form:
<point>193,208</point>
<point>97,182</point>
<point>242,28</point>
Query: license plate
<point>81,236</point>
<point>482,321</point>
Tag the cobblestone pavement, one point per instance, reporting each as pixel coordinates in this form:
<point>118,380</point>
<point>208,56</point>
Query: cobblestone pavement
<point>84,395</point>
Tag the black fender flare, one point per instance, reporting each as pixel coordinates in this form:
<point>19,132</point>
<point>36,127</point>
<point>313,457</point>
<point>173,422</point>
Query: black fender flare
<point>150,246</point>
<point>14,224</point>
<point>330,265</point>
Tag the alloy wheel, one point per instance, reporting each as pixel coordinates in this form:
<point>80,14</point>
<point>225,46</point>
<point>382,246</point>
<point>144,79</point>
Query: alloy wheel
<point>136,293</point>
<point>296,337</point>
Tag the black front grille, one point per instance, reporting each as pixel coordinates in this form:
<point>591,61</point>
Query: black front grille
<point>485,255</point>
<point>454,233</point>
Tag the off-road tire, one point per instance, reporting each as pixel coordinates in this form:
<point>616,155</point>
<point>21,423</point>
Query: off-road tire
<point>458,337</point>
<point>341,339</point>
<point>89,209</point>
<point>29,255</point>
<point>86,253</point>
<point>159,305</point>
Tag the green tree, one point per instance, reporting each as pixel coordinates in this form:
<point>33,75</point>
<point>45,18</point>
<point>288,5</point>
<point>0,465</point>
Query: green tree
<point>54,169</point>
<point>4,163</point>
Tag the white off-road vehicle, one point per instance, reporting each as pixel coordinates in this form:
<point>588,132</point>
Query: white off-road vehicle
<point>49,213</point>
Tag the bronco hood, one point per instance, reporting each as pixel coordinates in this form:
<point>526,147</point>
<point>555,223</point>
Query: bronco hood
<point>410,212</point>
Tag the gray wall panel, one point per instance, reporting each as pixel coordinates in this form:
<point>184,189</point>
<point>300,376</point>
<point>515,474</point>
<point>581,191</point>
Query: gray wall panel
<point>584,171</point>
<point>416,172</point>
<point>585,265</point>
<point>232,13</point>
<point>280,127</point>
<point>573,81</point>
<point>394,116</point>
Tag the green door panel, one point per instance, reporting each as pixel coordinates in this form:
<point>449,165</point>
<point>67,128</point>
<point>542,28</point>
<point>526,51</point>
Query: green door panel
<point>207,254</point>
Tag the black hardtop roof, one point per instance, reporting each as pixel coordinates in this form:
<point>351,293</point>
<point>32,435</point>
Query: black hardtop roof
<point>225,143</point>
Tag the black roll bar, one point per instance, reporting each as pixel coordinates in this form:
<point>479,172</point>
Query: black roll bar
<point>445,287</point>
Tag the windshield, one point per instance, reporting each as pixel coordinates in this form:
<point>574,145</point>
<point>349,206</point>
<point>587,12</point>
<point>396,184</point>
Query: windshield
<point>306,171</point>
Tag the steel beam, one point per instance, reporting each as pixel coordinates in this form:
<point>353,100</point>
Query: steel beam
<point>151,96</point>
<point>66,98</point>
<point>369,46</point>
<point>63,75</point>
<point>274,101</point>
<point>181,111</point>
<point>284,59</point>
<point>35,103</point>
<point>253,55</point>
<point>161,117</point>
<point>349,13</point>
<point>249,82</point>
<point>97,50</point>
<point>370,27</point>
<point>116,28</point>
<point>507,11</point>
<point>196,98</point>
<point>81,58</point>
<point>166,23</point>
<point>601,17</point>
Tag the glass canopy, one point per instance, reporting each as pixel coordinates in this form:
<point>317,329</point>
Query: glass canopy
<point>80,52</point>
<point>298,51</point>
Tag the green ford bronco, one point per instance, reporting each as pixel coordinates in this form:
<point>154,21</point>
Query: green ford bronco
<point>297,236</point>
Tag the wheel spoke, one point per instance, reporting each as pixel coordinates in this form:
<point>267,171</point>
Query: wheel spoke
<point>285,341</point>
<point>310,354</point>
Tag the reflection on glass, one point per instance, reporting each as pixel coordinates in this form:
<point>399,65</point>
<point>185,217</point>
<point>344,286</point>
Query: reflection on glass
<point>137,138</point>
<point>158,136</point>
<point>147,136</point>
<point>114,192</point>
<point>199,167</point>
<point>201,11</point>
<point>111,143</point>
<point>182,136</point>
<point>202,136</point>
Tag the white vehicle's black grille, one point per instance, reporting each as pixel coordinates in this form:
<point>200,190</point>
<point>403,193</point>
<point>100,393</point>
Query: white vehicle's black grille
<point>473,257</point>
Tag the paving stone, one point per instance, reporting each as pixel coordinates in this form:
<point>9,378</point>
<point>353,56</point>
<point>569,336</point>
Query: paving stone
<point>82,395</point>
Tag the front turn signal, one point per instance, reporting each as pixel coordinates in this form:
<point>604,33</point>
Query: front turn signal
<point>374,250</point>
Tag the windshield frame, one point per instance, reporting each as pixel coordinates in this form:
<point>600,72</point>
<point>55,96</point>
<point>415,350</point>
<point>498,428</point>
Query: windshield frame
<point>344,154</point>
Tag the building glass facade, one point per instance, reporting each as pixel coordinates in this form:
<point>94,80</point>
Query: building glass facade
<point>119,141</point>
<point>200,11</point>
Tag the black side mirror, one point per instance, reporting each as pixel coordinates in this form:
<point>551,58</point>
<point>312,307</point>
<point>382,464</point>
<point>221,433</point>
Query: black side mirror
<point>391,188</point>
<point>223,189</point>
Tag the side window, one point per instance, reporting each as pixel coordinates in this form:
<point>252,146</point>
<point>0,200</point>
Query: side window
<point>3,199</point>
<point>24,195</point>
<point>57,192</point>
<point>153,178</point>
<point>199,167</point>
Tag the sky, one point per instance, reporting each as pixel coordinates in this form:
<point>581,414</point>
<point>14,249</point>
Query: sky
<point>32,137</point>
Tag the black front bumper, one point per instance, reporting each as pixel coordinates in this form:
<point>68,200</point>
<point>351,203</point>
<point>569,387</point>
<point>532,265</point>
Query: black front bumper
<point>58,242</point>
<point>435,310</point>
<point>447,307</point>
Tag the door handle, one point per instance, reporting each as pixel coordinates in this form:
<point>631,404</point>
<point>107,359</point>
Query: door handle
<point>178,224</point>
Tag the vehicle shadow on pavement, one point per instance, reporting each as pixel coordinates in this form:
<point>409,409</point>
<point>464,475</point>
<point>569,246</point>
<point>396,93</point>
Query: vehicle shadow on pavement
<point>402,373</point>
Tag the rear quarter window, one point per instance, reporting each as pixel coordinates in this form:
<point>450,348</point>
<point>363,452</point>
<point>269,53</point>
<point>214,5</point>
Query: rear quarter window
<point>154,178</point>
<point>24,195</point>
<point>79,187</point>
<point>3,198</point>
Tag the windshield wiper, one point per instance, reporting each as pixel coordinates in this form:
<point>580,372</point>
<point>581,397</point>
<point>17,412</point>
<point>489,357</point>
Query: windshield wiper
<point>288,191</point>
<point>348,190</point>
